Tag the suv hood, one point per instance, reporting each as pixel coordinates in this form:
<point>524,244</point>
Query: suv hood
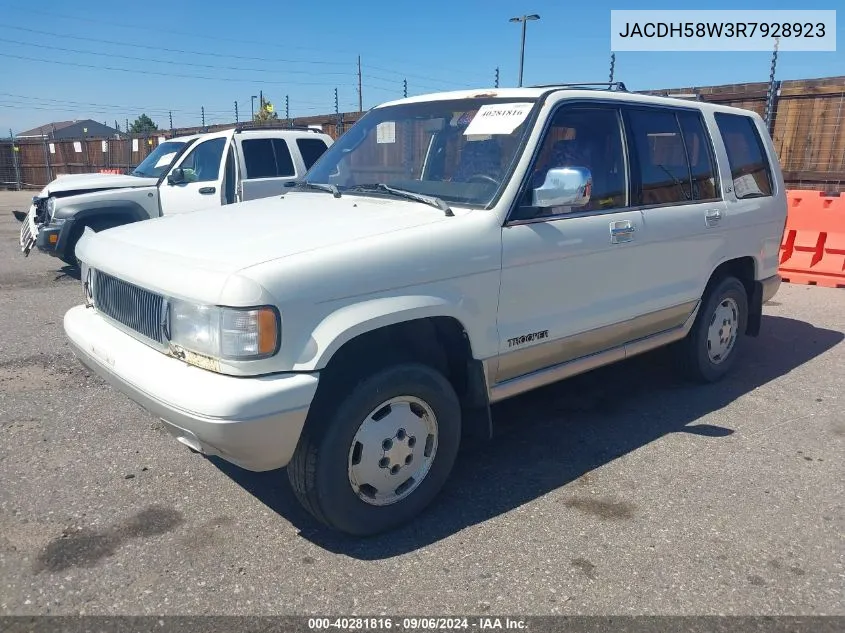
<point>91,182</point>
<point>192,254</point>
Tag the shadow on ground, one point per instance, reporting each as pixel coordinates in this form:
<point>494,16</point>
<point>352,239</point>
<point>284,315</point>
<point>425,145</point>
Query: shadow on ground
<point>555,435</point>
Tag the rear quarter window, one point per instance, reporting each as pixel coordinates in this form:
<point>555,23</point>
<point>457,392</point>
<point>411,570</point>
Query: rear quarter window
<point>750,168</point>
<point>311,149</point>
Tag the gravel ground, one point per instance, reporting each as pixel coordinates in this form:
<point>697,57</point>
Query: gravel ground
<point>624,491</point>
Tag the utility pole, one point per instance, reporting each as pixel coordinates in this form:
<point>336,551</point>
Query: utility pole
<point>127,126</point>
<point>405,88</point>
<point>360,94</point>
<point>236,113</point>
<point>497,76</point>
<point>261,100</point>
<point>287,109</point>
<point>202,110</point>
<point>524,19</point>
<point>171,120</point>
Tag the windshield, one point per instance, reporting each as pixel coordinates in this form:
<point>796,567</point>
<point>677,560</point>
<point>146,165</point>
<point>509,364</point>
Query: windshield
<point>460,151</point>
<point>159,160</point>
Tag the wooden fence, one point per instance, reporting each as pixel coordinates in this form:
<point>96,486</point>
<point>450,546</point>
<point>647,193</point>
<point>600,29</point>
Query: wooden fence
<point>807,127</point>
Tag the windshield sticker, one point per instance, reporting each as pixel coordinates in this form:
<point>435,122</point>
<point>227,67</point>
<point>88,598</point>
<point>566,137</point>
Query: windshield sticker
<point>165,160</point>
<point>386,132</point>
<point>498,118</point>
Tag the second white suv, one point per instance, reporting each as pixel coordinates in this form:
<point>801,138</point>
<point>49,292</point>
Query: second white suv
<point>181,175</point>
<point>449,251</point>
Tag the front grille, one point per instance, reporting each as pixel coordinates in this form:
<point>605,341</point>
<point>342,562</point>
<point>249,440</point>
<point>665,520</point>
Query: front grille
<point>41,215</point>
<point>134,307</point>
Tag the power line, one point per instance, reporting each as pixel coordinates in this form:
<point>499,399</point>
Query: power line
<point>170,61</point>
<point>162,74</point>
<point>402,74</point>
<point>216,38</point>
<point>176,50</point>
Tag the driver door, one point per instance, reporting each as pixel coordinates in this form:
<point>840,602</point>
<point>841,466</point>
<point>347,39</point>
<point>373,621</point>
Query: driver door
<point>197,180</point>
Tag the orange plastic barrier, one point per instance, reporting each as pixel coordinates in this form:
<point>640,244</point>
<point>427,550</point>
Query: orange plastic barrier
<point>813,248</point>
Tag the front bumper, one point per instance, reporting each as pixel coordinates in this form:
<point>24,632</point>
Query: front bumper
<point>53,239</point>
<point>253,423</point>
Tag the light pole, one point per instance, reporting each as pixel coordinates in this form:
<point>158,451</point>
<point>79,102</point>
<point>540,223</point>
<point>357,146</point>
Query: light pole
<point>252,105</point>
<point>524,19</point>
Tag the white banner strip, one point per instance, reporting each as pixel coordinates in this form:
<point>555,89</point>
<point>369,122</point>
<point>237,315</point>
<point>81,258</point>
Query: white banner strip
<point>672,31</point>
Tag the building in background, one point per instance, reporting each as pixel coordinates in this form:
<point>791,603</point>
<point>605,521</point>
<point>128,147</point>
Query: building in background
<point>70,130</point>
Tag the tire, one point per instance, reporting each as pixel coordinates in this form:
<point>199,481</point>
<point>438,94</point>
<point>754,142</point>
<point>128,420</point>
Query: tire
<point>69,257</point>
<point>704,357</point>
<point>324,473</point>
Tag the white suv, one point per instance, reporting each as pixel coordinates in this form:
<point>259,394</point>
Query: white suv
<point>449,251</point>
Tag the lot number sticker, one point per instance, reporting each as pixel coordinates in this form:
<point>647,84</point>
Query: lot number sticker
<point>386,132</point>
<point>499,118</point>
<point>165,160</point>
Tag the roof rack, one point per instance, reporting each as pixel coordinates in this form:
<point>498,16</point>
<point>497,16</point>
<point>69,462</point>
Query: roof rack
<point>607,85</point>
<point>243,127</point>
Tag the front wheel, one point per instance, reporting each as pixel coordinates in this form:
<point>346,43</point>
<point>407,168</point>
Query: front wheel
<point>711,347</point>
<point>380,456</point>
<point>96,225</point>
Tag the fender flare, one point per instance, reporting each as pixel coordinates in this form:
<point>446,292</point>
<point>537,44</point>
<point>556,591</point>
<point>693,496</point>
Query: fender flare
<point>82,212</point>
<point>350,321</point>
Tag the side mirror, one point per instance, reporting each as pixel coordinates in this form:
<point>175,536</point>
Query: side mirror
<point>176,177</point>
<point>564,187</point>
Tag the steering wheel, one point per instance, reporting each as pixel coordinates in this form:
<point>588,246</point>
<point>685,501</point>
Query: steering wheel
<point>483,178</point>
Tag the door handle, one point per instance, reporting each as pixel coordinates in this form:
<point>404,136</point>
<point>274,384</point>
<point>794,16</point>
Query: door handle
<point>621,231</point>
<point>207,190</point>
<point>713,217</point>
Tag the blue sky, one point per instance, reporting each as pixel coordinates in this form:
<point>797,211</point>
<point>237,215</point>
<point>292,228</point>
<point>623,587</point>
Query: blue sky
<point>305,50</point>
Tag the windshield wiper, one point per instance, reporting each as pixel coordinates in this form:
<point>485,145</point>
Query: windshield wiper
<point>332,189</point>
<point>402,193</point>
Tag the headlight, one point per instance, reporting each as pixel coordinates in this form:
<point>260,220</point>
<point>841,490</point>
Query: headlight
<point>227,333</point>
<point>51,207</point>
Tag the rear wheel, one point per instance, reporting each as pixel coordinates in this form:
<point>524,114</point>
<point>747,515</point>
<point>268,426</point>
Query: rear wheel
<point>711,347</point>
<point>374,457</point>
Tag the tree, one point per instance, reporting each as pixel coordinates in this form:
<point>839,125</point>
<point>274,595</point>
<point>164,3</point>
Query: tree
<point>266,112</point>
<point>143,124</point>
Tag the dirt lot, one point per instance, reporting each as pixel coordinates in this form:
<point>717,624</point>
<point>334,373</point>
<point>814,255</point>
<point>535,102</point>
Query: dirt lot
<point>622,491</point>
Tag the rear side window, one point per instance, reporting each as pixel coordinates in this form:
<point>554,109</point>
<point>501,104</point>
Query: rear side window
<point>311,149</point>
<point>750,169</point>
<point>267,158</point>
<point>705,184</point>
<point>259,158</point>
<point>284,161</point>
<point>661,157</point>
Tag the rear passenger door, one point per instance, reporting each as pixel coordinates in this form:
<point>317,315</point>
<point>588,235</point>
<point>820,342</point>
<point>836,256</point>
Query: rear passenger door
<point>677,189</point>
<point>266,164</point>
